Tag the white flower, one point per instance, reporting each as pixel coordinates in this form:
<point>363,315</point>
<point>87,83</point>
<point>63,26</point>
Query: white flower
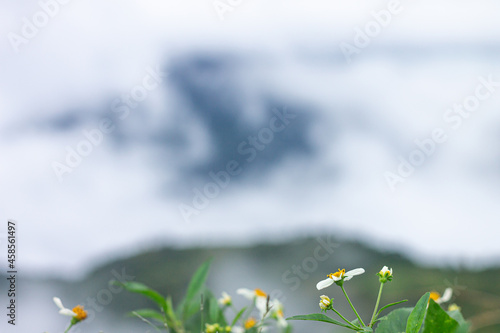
<point>324,302</point>
<point>251,294</point>
<point>62,310</point>
<point>282,322</point>
<point>225,299</point>
<point>277,313</point>
<point>385,271</point>
<point>257,295</point>
<point>237,329</point>
<point>261,305</point>
<point>442,299</point>
<point>385,274</point>
<point>338,276</point>
<point>78,313</point>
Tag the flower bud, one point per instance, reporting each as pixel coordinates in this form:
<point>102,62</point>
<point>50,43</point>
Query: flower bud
<point>325,303</point>
<point>385,274</point>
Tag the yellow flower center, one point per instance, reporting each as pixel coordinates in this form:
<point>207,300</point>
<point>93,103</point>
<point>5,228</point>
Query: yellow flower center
<point>280,313</point>
<point>81,314</point>
<point>338,274</point>
<point>435,295</point>
<point>212,328</point>
<point>226,300</point>
<point>260,293</point>
<point>249,323</point>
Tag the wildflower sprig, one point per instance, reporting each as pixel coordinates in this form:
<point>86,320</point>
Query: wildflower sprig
<point>77,314</point>
<point>408,320</point>
<point>338,278</point>
<point>326,303</point>
<point>385,275</point>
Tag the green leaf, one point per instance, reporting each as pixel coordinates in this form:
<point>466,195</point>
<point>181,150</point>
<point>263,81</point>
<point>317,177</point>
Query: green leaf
<point>437,320</point>
<point>213,310</point>
<point>416,317</point>
<point>389,305</point>
<point>147,313</point>
<point>170,311</point>
<point>139,288</point>
<point>191,308</point>
<point>394,322</point>
<point>198,280</point>
<point>319,317</point>
<point>195,287</point>
<point>464,326</point>
<point>144,319</point>
<point>238,315</point>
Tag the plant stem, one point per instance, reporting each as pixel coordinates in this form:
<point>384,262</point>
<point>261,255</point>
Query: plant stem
<point>201,310</point>
<point>374,316</point>
<point>352,306</point>
<point>341,316</point>
<point>69,327</point>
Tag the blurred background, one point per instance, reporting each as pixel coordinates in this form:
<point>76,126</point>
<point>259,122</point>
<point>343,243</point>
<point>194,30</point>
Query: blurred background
<point>145,137</point>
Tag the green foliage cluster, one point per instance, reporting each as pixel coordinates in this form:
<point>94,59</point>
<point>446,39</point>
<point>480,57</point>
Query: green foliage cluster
<point>200,310</point>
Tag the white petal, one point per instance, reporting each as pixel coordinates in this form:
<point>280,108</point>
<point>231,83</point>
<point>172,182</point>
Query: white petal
<point>385,268</point>
<point>325,283</point>
<point>275,305</point>
<point>282,322</point>
<point>237,329</point>
<point>58,302</point>
<point>247,293</point>
<point>261,305</point>
<point>357,271</point>
<point>347,278</point>
<point>67,312</point>
<point>447,295</point>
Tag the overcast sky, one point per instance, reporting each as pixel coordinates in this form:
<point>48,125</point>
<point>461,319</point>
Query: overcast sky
<point>220,82</point>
